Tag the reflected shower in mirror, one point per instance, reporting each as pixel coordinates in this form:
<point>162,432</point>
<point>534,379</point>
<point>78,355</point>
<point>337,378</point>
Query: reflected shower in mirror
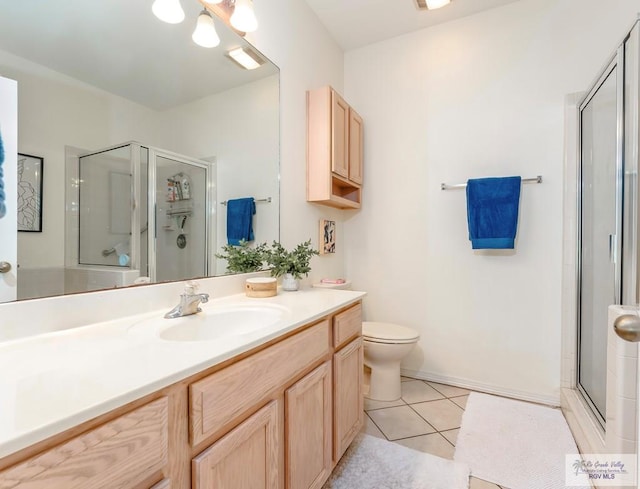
<point>144,135</point>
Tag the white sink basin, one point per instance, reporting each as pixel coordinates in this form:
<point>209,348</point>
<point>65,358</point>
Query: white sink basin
<point>215,322</point>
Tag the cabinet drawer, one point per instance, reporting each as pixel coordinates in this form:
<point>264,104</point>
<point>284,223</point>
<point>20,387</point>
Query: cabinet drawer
<point>222,397</point>
<point>347,325</point>
<point>117,455</point>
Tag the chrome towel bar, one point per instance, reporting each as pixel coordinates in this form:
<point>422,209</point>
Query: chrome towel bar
<point>268,200</point>
<point>445,186</point>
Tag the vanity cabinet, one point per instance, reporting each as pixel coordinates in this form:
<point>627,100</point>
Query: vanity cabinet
<point>276,417</point>
<point>129,451</point>
<point>348,377</point>
<point>335,137</point>
<point>245,458</point>
<point>308,414</point>
<point>348,401</point>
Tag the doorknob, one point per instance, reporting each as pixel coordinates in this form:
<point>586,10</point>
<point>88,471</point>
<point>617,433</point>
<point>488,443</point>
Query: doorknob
<point>5,266</point>
<point>627,327</point>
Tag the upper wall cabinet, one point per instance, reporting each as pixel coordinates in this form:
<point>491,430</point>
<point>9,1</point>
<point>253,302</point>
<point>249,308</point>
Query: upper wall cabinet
<point>334,150</point>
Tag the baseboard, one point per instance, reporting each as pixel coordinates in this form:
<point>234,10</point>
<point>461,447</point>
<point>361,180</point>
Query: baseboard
<point>483,387</point>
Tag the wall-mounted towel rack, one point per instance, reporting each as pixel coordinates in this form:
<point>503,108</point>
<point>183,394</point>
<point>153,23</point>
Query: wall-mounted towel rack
<point>445,186</point>
<point>268,200</point>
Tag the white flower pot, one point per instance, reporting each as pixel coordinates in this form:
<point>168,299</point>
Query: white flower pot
<point>289,282</point>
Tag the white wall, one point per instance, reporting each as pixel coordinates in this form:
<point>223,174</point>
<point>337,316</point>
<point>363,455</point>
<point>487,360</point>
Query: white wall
<point>293,38</point>
<point>54,111</point>
<point>481,96</point>
<point>244,145</point>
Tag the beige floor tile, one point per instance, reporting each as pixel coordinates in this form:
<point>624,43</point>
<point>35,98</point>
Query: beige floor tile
<point>461,401</point>
<point>370,428</point>
<point>442,415</point>
<point>370,404</point>
<point>475,483</point>
<point>400,422</point>
<point>451,435</point>
<point>417,391</point>
<point>448,390</point>
<point>434,444</point>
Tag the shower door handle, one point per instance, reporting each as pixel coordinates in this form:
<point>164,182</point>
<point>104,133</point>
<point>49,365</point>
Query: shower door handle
<point>627,327</point>
<point>613,248</point>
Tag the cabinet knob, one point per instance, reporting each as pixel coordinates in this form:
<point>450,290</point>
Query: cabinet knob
<point>5,267</point>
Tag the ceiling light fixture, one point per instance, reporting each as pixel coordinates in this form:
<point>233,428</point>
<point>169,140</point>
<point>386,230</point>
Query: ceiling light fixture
<point>246,57</point>
<point>169,11</point>
<point>205,34</point>
<point>434,4</point>
<point>243,17</point>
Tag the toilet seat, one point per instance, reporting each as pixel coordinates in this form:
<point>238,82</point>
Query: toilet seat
<point>388,333</point>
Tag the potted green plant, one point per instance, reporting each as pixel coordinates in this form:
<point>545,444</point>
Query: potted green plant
<point>290,265</point>
<point>244,258</point>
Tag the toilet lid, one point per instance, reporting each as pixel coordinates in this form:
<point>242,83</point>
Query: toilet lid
<point>388,332</point>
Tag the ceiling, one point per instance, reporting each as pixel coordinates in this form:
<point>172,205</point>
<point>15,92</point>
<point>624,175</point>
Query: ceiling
<point>121,47</point>
<point>356,23</point>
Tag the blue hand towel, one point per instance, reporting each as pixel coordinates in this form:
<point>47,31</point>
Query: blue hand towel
<point>240,220</point>
<point>492,212</point>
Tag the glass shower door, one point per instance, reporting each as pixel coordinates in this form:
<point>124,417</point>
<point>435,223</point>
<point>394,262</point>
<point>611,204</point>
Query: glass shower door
<point>181,217</point>
<point>600,232</point>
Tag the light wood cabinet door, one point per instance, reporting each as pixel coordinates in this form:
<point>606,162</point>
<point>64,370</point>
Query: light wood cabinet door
<point>339,135</point>
<point>246,458</point>
<point>348,398</point>
<point>356,147</point>
<point>308,430</point>
<point>125,452</point>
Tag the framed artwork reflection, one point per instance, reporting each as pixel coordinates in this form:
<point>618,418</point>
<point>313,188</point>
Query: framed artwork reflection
<point>327,239</point>
<point>30,193</point>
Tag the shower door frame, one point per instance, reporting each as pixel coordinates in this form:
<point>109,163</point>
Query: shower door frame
<point>615,63</point>
<point>210,196</point>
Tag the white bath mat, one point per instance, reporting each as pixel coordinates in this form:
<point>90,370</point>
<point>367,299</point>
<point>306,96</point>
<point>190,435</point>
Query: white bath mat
<point>372,463</point>
<point>514,444</point>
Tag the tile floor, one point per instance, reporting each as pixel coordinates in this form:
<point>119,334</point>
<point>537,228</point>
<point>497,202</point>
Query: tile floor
<point>426,418</point>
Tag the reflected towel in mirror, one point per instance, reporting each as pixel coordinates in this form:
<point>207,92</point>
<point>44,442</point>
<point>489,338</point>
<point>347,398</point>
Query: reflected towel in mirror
<point>240,220</point>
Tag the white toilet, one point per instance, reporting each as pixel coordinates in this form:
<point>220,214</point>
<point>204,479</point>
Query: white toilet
<point>385,346</point>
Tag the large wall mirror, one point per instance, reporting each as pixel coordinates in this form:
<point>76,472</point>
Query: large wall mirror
<point>144,140</point>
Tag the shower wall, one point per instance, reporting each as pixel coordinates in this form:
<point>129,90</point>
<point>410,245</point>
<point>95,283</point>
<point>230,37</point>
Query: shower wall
<point>180,222</point>
<point>105,207</point>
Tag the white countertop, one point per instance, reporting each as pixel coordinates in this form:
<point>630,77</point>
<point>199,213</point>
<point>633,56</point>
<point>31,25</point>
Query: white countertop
<point>55,381</point>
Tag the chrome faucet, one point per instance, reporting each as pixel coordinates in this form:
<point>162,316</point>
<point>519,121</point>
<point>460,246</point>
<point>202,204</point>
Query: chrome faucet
<point>189,302</point>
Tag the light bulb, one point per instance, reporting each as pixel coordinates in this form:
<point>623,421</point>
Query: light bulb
<point>243,17</point>
<point>169,11</point>
<point>205,34</point>
<point>434,4</point>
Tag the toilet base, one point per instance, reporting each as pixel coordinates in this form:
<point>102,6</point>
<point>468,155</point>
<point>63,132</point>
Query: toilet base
<point>385,382</point>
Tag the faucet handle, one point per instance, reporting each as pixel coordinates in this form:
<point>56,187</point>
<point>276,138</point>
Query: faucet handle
<point>191,287</point>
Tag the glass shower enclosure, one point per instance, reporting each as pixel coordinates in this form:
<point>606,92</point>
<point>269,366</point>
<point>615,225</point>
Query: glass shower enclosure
<point>147,210</point>
<point>607,214</point>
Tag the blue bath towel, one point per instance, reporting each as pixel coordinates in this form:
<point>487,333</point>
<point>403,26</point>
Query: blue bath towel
<point>240,220</point>
<point>492,212</point>
<point>3,197</point>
